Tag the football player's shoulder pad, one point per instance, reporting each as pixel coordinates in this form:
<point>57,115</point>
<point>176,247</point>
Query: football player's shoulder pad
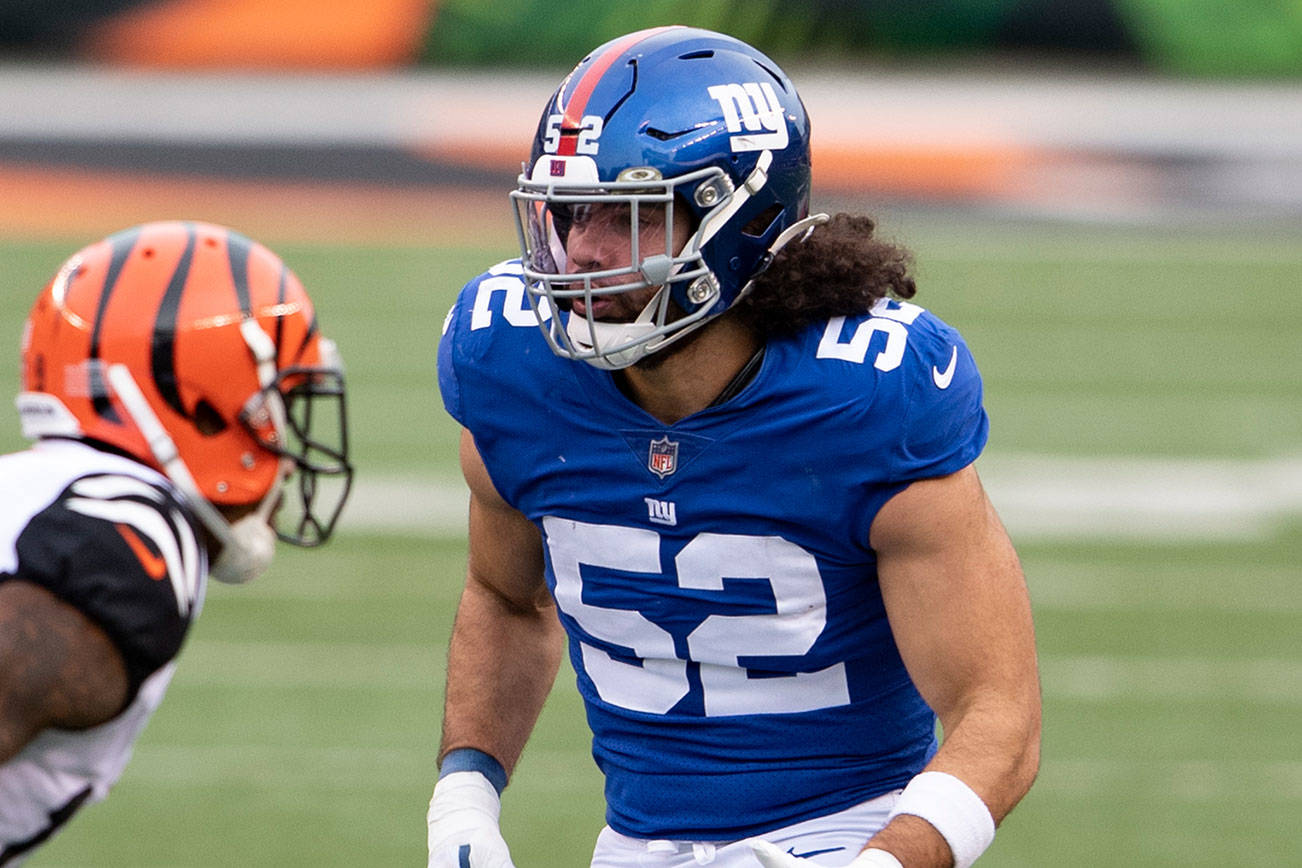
<point>490,330</point>
<point>945,426</point>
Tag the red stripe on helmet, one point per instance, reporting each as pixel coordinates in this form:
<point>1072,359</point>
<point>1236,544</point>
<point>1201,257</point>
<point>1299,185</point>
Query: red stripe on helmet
<point>574,109</point>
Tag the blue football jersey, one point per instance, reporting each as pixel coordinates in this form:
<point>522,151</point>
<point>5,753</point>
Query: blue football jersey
<point>714,575</point>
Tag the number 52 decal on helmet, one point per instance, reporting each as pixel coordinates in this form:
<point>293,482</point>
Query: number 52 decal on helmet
<point>583,141</point>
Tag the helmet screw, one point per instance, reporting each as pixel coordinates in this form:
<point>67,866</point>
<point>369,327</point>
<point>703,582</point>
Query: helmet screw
<point>700,290</point>
<point>222,487</point>
<point>246,461</point>
<point>639,173</point>
<point>707,195</point>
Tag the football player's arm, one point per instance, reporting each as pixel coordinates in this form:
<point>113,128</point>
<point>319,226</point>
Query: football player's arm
<point>506,641</point>
<point>505,650</point>
<point>57,667</point>
<point>958,607</point>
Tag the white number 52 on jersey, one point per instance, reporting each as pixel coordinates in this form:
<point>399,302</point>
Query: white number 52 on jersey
<point>661,680</point>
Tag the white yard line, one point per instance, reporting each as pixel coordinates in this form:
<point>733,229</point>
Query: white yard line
<point>1143,498</point>
<point>1039,497</point>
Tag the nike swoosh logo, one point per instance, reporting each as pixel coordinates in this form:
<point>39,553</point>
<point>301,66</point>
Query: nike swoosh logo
<point>154,565</point>
<point>812,853</point>
<point>942,378</point>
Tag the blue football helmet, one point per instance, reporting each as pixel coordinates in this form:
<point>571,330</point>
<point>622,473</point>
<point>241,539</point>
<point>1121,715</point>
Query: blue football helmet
<point>661,119</point>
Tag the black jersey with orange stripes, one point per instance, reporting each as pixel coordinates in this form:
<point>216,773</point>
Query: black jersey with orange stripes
<point>110,537</point>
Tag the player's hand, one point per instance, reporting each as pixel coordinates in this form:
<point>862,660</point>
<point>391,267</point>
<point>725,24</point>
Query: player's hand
<point>463,824</point>
<point>771,856</point>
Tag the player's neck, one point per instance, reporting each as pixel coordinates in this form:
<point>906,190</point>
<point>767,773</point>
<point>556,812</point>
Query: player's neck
<point>691,377</point>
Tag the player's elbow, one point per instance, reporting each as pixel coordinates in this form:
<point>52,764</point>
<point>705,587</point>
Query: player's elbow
<point>1028,767</point>
<point>1004,727</point>
<point>1023,753</point>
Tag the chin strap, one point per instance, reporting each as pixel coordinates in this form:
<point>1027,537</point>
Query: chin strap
<point>716,220</point>
<point>164,451</point>
<point>264,356</point>
<point>249,544</point>
<point>803,228</point>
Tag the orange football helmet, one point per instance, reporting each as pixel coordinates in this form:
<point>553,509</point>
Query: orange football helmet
<point>222,342</point>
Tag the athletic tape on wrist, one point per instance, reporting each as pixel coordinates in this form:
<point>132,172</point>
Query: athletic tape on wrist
<point>469,759</point>
<point>957,812</point>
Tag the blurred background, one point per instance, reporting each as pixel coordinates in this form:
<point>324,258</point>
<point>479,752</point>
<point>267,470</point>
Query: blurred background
<point>1105,196</point>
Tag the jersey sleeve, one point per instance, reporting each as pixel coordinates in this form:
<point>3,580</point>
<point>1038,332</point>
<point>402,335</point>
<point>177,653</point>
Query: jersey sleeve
<point>449,386</point>
<point>945,426</point>
<point>467,334</point>
<point>483,338</point>
<point>125,554</point>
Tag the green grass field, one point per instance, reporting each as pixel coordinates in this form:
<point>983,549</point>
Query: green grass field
<point>302,724</point>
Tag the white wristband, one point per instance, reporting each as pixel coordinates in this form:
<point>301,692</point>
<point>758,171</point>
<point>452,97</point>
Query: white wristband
<point>958,814</point>
<point>875,858</point>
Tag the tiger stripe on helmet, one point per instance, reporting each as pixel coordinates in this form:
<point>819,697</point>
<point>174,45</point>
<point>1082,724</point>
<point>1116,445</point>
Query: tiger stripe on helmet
<point>237,253</point>
<point>122,244</point>
<point>166,300</point>
<point>280,299</point>
<point>163,345</point>
<point>308,335</point>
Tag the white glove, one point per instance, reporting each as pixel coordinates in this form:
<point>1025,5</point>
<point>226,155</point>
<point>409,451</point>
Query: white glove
<point>771,857</point>
<point>463,824</point>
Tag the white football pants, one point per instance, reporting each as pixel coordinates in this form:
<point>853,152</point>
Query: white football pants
<point>824,841</point>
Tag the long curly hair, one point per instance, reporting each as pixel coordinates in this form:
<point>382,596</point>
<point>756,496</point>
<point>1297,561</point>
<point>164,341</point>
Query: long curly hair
<point>839,270</point>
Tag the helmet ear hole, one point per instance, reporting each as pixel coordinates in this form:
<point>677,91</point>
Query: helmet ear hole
<point>762,222</point>
<point>207,420</point>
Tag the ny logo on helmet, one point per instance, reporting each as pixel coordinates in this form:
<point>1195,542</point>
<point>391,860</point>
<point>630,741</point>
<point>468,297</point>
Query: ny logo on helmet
<point>753,110</point>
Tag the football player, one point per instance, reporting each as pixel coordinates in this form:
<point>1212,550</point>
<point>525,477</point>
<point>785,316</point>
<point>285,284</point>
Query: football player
<point>174,379</point>
<point>708,439</point>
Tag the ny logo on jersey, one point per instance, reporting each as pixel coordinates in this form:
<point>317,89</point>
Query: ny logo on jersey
<point>662,458</point>
<point>753,114</point>
<point>661,511</point>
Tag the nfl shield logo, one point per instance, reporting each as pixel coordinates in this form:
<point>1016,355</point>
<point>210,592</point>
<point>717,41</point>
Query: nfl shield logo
<point>557,168</point>
<point>662,460</point>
